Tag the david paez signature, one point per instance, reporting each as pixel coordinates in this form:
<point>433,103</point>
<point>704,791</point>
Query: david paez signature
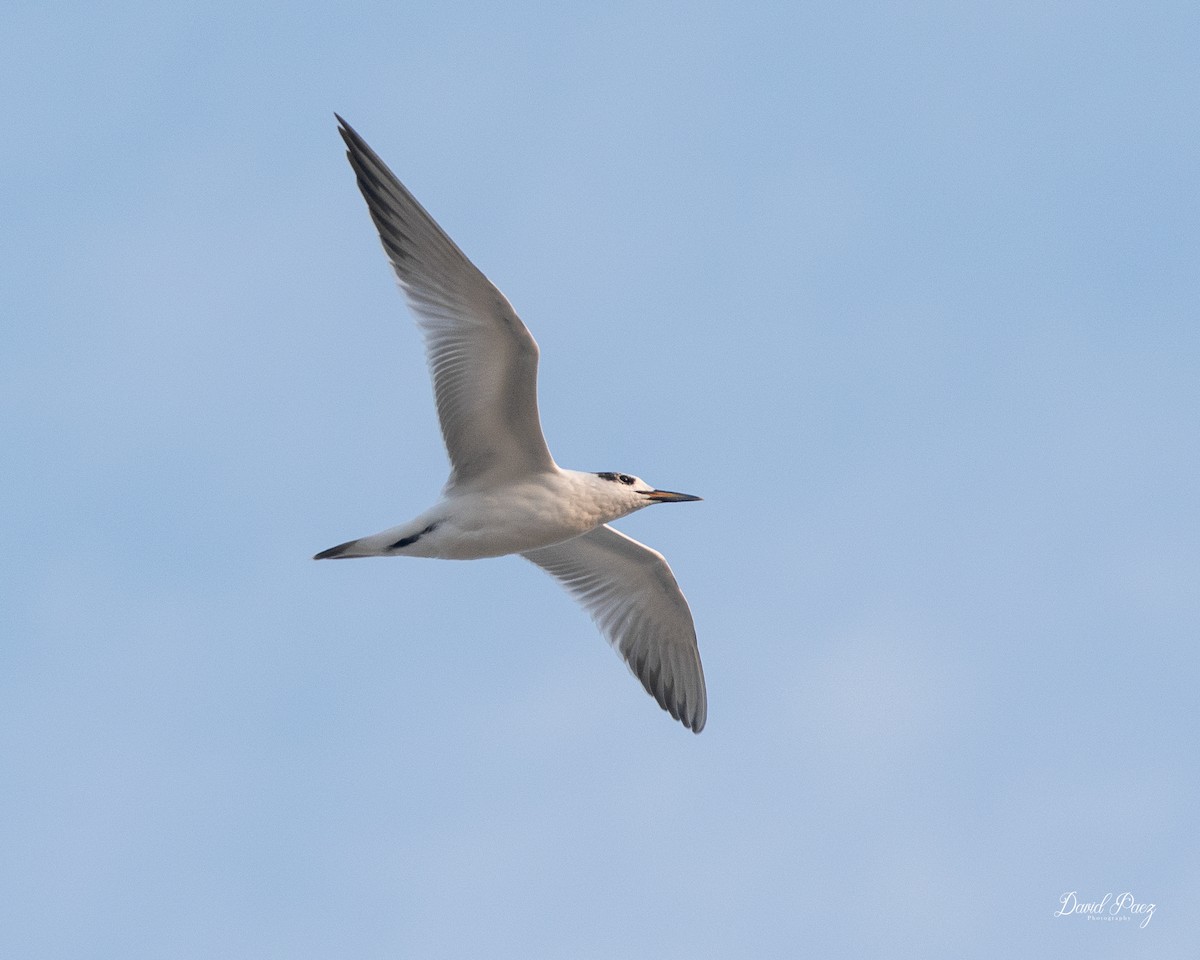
<point>1114,909</point>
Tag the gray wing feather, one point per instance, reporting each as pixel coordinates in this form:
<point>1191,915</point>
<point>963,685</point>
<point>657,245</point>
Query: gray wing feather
<point>483,359</point>
<point>632,595</point>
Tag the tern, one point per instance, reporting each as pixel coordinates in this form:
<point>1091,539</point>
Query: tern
<point>505,493</point>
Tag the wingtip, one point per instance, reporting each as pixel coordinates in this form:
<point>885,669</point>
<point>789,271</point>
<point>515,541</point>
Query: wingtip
<point>692,715</point>
<point>351,136</point>
<point>693,720</point>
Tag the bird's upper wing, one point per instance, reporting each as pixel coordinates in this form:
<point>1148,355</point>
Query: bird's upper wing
<point>632,595</point>
<point>483,359</point>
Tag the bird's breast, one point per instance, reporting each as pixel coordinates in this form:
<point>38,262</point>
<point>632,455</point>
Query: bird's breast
<point>513,519</point>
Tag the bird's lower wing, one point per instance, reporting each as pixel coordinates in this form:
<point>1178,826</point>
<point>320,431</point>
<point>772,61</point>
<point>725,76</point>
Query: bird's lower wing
<point>632,595</point>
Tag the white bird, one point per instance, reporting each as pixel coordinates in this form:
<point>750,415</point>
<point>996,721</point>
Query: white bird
<point>505,493</point>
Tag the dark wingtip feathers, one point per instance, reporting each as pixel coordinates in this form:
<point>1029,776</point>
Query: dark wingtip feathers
<point>665,693</point>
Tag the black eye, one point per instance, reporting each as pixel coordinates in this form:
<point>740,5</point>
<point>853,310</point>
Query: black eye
<point>625,479</point>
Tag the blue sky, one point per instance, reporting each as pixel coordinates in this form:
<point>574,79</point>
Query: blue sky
<point>907,292</point>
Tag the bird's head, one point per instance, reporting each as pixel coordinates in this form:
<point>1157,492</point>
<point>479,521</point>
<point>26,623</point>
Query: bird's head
<point>630,493</point>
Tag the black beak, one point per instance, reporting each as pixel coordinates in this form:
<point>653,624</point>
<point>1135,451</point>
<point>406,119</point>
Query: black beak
<point>666,496</point>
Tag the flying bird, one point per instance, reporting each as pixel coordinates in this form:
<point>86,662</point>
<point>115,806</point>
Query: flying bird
<point>505,493</point>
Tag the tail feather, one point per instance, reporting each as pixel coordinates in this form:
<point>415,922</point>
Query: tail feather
<point>388,543</point>
<point>341,551</point>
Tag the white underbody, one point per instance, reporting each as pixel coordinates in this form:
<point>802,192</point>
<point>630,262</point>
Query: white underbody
<point>472,522</point>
